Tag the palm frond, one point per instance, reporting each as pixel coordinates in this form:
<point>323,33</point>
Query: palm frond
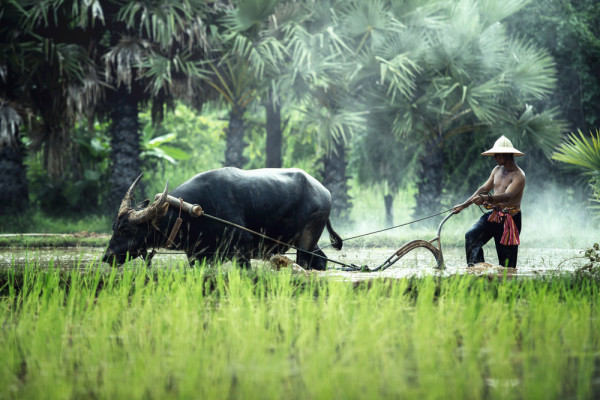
<point>87,12</point>
<point>249,13</point>
<point>9,124</point>
<point>333,126</point>
<point>368,24</point>
<point>165,22</point>
<point>531,70</point>
<point>399,74</point>
<point>493,11</point>
<point>83,95</point>
<point>482,99</point>
<point>581,152</point>
<point>465,21</point>
<point>124,58</point>
<point>492,48</point>
<point>543,129</point>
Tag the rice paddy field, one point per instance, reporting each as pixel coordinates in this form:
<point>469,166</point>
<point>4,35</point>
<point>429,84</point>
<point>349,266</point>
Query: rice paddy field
<point>72,327</point>
<point>80,329</point>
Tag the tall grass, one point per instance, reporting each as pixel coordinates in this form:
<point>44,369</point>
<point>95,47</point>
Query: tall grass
<point>175,332</point>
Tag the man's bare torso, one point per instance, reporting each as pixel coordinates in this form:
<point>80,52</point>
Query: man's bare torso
<point>512,181</point>
<point>507,181</point>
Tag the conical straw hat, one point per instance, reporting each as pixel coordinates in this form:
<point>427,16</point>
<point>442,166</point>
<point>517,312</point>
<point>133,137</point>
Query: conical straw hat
<point>503,146</point>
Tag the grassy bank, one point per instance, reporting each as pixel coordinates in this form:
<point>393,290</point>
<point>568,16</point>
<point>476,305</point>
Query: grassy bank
<point>176,332</point>
<point>36,240</point>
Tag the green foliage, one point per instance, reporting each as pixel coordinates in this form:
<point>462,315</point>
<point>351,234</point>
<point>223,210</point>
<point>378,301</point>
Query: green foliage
<point>570,32</point>
<point>429,74</point>
<point>583,154</point>
<point>39,222</point>
<point>379,158</point>
<point>301,145</point>
<point>175,332</point>
<point>155,145</point>
<point>194,141</point>
<point>83,185</point>
<point>592,268</point>
<point>469,168</point>
<point>593,253</point>
<point>392,80</point>
<point>84,235</point>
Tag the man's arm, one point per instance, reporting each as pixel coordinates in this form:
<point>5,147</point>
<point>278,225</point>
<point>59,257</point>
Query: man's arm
<point>475,198</point>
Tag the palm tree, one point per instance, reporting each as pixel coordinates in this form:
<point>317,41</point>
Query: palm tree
<point>318,80</point>
<point>44,74</point>
<point>124,54</point>
<point>234,81</point>
<point>487,82</point>
<point>254,57</point>
<point>153,54</point>
<point>372,35</point>
<point>13,185</point>
<point>449,69</point>
<point>281,42</point>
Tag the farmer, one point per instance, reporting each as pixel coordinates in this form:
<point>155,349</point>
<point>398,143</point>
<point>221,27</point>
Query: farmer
<point>503,221</point>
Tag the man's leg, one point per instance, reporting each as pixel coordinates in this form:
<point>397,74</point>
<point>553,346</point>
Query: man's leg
<point>507,255</point>
<point>476,237</point>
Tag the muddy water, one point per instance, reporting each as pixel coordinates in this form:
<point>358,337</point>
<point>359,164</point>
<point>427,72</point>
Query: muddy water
<point>419,262</point>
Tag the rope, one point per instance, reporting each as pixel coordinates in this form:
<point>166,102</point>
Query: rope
<point>351,267</point>
<point>393,227</point>
<point>273,240</point>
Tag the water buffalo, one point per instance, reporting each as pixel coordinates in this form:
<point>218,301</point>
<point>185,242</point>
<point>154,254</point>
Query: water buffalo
<point>285,204</point>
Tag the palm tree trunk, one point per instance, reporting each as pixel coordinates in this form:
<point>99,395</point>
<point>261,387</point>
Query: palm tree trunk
<point>336,180</point>
<point>56,150</point>
<point>13,183</point>
<point>430,181</point>
<point>388,200</point>
<point>234,153</point>
<point>274,133</point>
<point>125,146</point>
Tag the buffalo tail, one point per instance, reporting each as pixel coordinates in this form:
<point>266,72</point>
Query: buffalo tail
<point>334,238</point>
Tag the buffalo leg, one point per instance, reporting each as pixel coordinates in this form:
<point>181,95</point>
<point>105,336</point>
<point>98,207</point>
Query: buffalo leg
<point>308,241</point>
<point>317,261</point>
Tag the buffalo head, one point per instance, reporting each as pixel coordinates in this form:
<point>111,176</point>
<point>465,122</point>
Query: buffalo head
<point>133,226</point>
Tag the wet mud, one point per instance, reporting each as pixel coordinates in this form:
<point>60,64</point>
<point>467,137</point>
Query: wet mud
<point>420,262</point>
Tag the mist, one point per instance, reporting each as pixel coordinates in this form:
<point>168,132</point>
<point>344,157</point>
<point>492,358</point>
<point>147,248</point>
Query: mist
<point>553,216</point>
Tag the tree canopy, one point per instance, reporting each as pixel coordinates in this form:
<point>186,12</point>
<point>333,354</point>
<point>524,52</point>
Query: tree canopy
<point>403,91</point>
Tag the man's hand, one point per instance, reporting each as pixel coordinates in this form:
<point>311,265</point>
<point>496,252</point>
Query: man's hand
<point>458,208</point>
<point>477,200</point>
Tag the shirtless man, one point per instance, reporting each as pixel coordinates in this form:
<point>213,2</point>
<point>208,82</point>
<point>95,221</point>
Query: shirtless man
<point>503,222</point>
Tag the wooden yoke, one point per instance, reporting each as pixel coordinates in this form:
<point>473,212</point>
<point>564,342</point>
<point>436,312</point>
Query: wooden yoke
<point>193,209</point>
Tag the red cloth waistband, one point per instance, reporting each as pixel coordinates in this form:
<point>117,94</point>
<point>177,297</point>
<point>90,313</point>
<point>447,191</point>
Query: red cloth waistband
<point>510,236</point>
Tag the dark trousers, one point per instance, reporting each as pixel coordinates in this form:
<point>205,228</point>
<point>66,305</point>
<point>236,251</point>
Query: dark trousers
<point>481,232</point>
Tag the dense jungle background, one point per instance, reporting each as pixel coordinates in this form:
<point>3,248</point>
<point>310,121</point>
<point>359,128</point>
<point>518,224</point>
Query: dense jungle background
<point>388,103</point>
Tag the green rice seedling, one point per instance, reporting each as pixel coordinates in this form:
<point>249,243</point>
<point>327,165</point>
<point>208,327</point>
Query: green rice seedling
<point>171,331</point>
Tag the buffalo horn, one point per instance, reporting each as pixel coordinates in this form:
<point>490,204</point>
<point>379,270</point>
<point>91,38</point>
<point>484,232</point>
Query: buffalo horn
<point>138,217</point>
<point>126,202</point>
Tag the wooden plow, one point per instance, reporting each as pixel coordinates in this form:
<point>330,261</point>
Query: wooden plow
<point>434,246</point>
